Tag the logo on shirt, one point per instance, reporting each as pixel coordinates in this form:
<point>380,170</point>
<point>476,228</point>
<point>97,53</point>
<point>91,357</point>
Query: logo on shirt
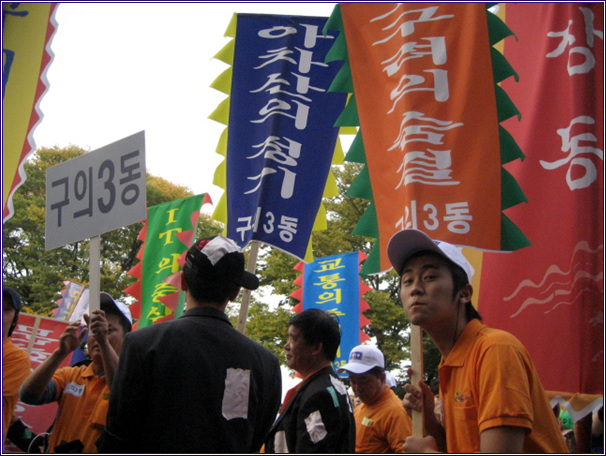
<point>462,397</point>
<point>74,389</point>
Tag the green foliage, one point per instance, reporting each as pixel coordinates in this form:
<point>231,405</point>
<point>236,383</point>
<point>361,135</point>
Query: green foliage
<point>269,325</point>
<point>37,274</point>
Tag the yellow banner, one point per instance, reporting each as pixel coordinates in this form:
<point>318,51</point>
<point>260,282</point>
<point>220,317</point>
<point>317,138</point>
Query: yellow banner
<point>27,30</point>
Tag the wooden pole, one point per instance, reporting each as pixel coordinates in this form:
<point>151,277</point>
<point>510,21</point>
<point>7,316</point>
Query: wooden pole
<point>252,266</point>
<point>416,358</point>
<point>94,285</point>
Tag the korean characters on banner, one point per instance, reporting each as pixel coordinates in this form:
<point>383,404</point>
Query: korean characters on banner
<point>281,136</point>
<point>425,94</point>
<point>96,192</point>
<point>333,284</point>
<point>39,336</point>
<point>576,44</point>
<point>556,285</point>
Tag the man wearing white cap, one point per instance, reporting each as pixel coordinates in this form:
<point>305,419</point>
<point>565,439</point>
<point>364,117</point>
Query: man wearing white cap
<point>382,424</point>
<point>82,392</point>
<point>492,398</point>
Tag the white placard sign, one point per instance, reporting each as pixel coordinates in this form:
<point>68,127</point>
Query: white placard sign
<point>96,192</point>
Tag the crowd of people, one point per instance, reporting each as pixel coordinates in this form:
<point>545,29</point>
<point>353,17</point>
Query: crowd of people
<point>197,385</point>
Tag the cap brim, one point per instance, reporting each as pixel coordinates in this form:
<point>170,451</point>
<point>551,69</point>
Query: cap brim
<point>406,243</point>
<point>355,368</point>
<point>249,281</point>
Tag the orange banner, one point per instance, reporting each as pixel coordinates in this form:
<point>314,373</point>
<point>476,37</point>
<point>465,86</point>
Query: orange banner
<point>425,94</point>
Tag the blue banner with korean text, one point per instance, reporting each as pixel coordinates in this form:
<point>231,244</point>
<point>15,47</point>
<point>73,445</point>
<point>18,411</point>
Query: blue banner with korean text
<point>333,284</point>
<point>281,137</point>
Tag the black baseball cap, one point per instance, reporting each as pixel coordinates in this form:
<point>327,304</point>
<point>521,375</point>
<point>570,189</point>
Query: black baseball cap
<point>219,259</point>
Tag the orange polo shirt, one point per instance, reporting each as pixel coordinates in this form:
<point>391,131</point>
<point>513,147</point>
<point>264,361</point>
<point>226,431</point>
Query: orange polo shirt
<point>488,380</point>
<point>83,399</point>
<point>383,426</point>
<point>15,369</point>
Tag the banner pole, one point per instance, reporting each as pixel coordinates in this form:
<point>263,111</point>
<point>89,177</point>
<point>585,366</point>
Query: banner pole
<point>416,358</point>
<point>94,285</point>
<point>252,266</point>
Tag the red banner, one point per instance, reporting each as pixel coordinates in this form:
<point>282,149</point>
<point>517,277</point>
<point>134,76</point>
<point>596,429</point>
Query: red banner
<point>39,336</point>
<point>550,295</point>
<point>425,93</point>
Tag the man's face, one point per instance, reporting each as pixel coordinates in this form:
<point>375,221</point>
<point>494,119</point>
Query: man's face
<point>367,386</point>
<point>8,314</point>
<point>299,354</point>
<point>115,337</point>
<point>427,291</point>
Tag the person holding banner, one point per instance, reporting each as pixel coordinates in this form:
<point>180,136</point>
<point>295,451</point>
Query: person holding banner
<point>195,384</point>
<point>15,361</point>
<point>492,397</point>
<point>382,424</point>
<point>316,416</point>
<point>82,392</point>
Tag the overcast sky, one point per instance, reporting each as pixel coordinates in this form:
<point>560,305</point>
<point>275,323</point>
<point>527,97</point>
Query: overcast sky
<point>121,68</point>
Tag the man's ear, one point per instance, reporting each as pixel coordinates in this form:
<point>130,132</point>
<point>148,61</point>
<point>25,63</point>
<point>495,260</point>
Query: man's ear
<point>234,295</point>
<point>466,293</point>
<point>318,348</point>
<point>183,283</point>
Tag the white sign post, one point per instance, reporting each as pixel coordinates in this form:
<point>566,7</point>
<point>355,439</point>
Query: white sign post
<point>93,194</point>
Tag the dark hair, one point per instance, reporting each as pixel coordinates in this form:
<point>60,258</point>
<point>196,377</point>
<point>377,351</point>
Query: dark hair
<point>202,291</point>
<point>6,296</point>
<point>376,371</point>
<point>460,280</point>
<point>317,326</point>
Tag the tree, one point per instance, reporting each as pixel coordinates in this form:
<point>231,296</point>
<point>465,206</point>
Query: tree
<point>37,274</point>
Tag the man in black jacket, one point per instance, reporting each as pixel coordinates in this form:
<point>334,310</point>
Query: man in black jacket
<point>316,416</point>
<point>195,384</point>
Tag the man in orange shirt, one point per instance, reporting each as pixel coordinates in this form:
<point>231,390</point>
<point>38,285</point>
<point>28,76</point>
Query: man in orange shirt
<point>82,392</point>
<point>492,398</point>
<point>382,424</point>
<point>15,361</point>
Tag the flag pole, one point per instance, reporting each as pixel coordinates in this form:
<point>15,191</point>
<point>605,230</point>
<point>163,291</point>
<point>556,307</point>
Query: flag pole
<point>94,285</point>
<point>251,267</point>
<point>416,358</point>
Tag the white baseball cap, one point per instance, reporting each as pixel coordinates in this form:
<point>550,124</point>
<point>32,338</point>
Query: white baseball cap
<point>406,243</point>
<point>106,301</point>
<point>390,380</point>
<point>363,358</point>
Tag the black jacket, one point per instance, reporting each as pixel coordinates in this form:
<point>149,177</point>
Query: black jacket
<point>318,419</point>
<point>192,385</point>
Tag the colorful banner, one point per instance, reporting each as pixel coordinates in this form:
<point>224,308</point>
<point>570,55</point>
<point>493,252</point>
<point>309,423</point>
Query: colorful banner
<point>333,284</point>
<point>39,336</point>
<point>551,295</point>
<point>281,136</point>
<point>27,30</point>
<point>168,232</point>
<point>71,295</point>
<point>426,100</point>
